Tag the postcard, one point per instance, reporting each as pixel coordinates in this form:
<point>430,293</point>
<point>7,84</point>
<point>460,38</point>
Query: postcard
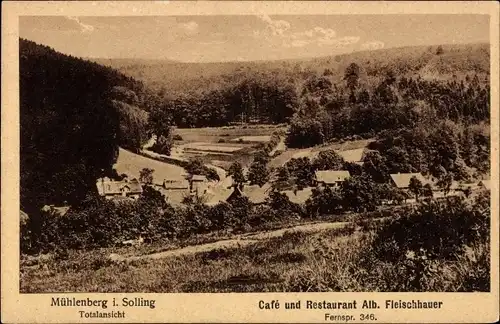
<point>233,162</point>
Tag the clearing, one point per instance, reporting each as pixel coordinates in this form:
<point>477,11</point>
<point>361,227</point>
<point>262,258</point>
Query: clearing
<point>132,164</point>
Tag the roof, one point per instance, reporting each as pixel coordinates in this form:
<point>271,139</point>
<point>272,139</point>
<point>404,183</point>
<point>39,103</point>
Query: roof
<point>217,195</point>
<point>330,176</point>
<point>116,187</point>
<point>300,196</point>
<point>175,184</point>
<point>173,196</point>
<point>256,194</point>
<point>355,155</point>
<point>197,177</point>
<point>402,180</point>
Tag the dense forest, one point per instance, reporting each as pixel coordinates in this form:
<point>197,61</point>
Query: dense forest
<point>215,94</point>
<point>73,115</point>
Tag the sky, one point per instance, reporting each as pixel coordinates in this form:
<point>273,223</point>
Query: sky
<point>246,38</point>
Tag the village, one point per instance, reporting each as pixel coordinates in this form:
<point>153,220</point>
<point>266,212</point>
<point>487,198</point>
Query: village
<point>178,187</point>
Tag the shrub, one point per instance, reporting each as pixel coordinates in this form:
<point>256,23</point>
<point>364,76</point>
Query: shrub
<point>435,230</point>
<point>177,137</point>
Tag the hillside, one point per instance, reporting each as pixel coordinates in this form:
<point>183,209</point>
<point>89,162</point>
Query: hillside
<point>74,115</point>
<point>459,60</point>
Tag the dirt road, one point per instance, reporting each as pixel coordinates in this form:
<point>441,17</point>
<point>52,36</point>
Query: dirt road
<point>239,241</point>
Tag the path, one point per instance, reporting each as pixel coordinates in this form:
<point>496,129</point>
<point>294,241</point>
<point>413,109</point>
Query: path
<point>239,241</point>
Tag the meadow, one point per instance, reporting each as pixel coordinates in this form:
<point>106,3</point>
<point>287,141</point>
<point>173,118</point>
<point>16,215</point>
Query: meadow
<point>132,164</point>
<point>331,260</point>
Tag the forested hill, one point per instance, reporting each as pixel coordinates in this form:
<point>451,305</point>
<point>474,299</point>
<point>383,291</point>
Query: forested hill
<point>217,94</point>
<point>74,114</point>
<point>428,62</point>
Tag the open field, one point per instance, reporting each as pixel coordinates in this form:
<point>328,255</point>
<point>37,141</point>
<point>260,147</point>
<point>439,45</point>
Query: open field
<point>222,148</point>
<point>228,133</point>
<point>132,164</point>
<point>312,152</point>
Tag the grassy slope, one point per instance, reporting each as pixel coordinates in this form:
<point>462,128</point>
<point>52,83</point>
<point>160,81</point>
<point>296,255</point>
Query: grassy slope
<point>132,164</point>
<point>418,60</point>
<point>331,260</point>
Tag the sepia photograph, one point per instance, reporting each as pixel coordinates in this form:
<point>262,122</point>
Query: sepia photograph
<point>272,161</point>
<point>254,153</point>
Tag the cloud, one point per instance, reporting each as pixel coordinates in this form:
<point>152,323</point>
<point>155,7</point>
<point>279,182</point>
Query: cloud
<point>274,27</point>
<point>84,28</point>
<point>279,31</point>
<point>191,27</point>
<point>373,45</point>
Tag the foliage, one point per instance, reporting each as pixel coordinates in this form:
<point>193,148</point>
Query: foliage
<point>360,193</point>
<point>73,116</point>
<point>259,173</point>
<point>416,187</point>
<point>435,229</point>
<point>324,201</point>
<point>163,144</point>
<point>328,160</point>
<point>196,166</point>
<point>146,176</point>
<point>236,171</point>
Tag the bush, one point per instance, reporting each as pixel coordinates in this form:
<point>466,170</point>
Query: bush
<point>177,137</point>
<point>435,230</point>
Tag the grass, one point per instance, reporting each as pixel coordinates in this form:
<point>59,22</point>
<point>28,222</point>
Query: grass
<point>330,260</point>
<point>132,164</point>
<point>312,152</point>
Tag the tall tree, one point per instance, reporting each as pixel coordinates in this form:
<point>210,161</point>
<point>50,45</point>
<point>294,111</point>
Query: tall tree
<point>258,173</point>
<point>415,187</point>
<point>146,175</point>
<point>236,171</point>
<point>328,160</point>
<point>351,76</point>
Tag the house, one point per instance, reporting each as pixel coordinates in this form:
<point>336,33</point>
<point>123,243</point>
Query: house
<point>174,193</point>
<point>175,184</point>
<point>111,189</point>
<point>218,195</point>
<point>331,178</point>
<point>199,184</point>
<point>299,196</point>
<point>402,180</point>
<point>255,194</point>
